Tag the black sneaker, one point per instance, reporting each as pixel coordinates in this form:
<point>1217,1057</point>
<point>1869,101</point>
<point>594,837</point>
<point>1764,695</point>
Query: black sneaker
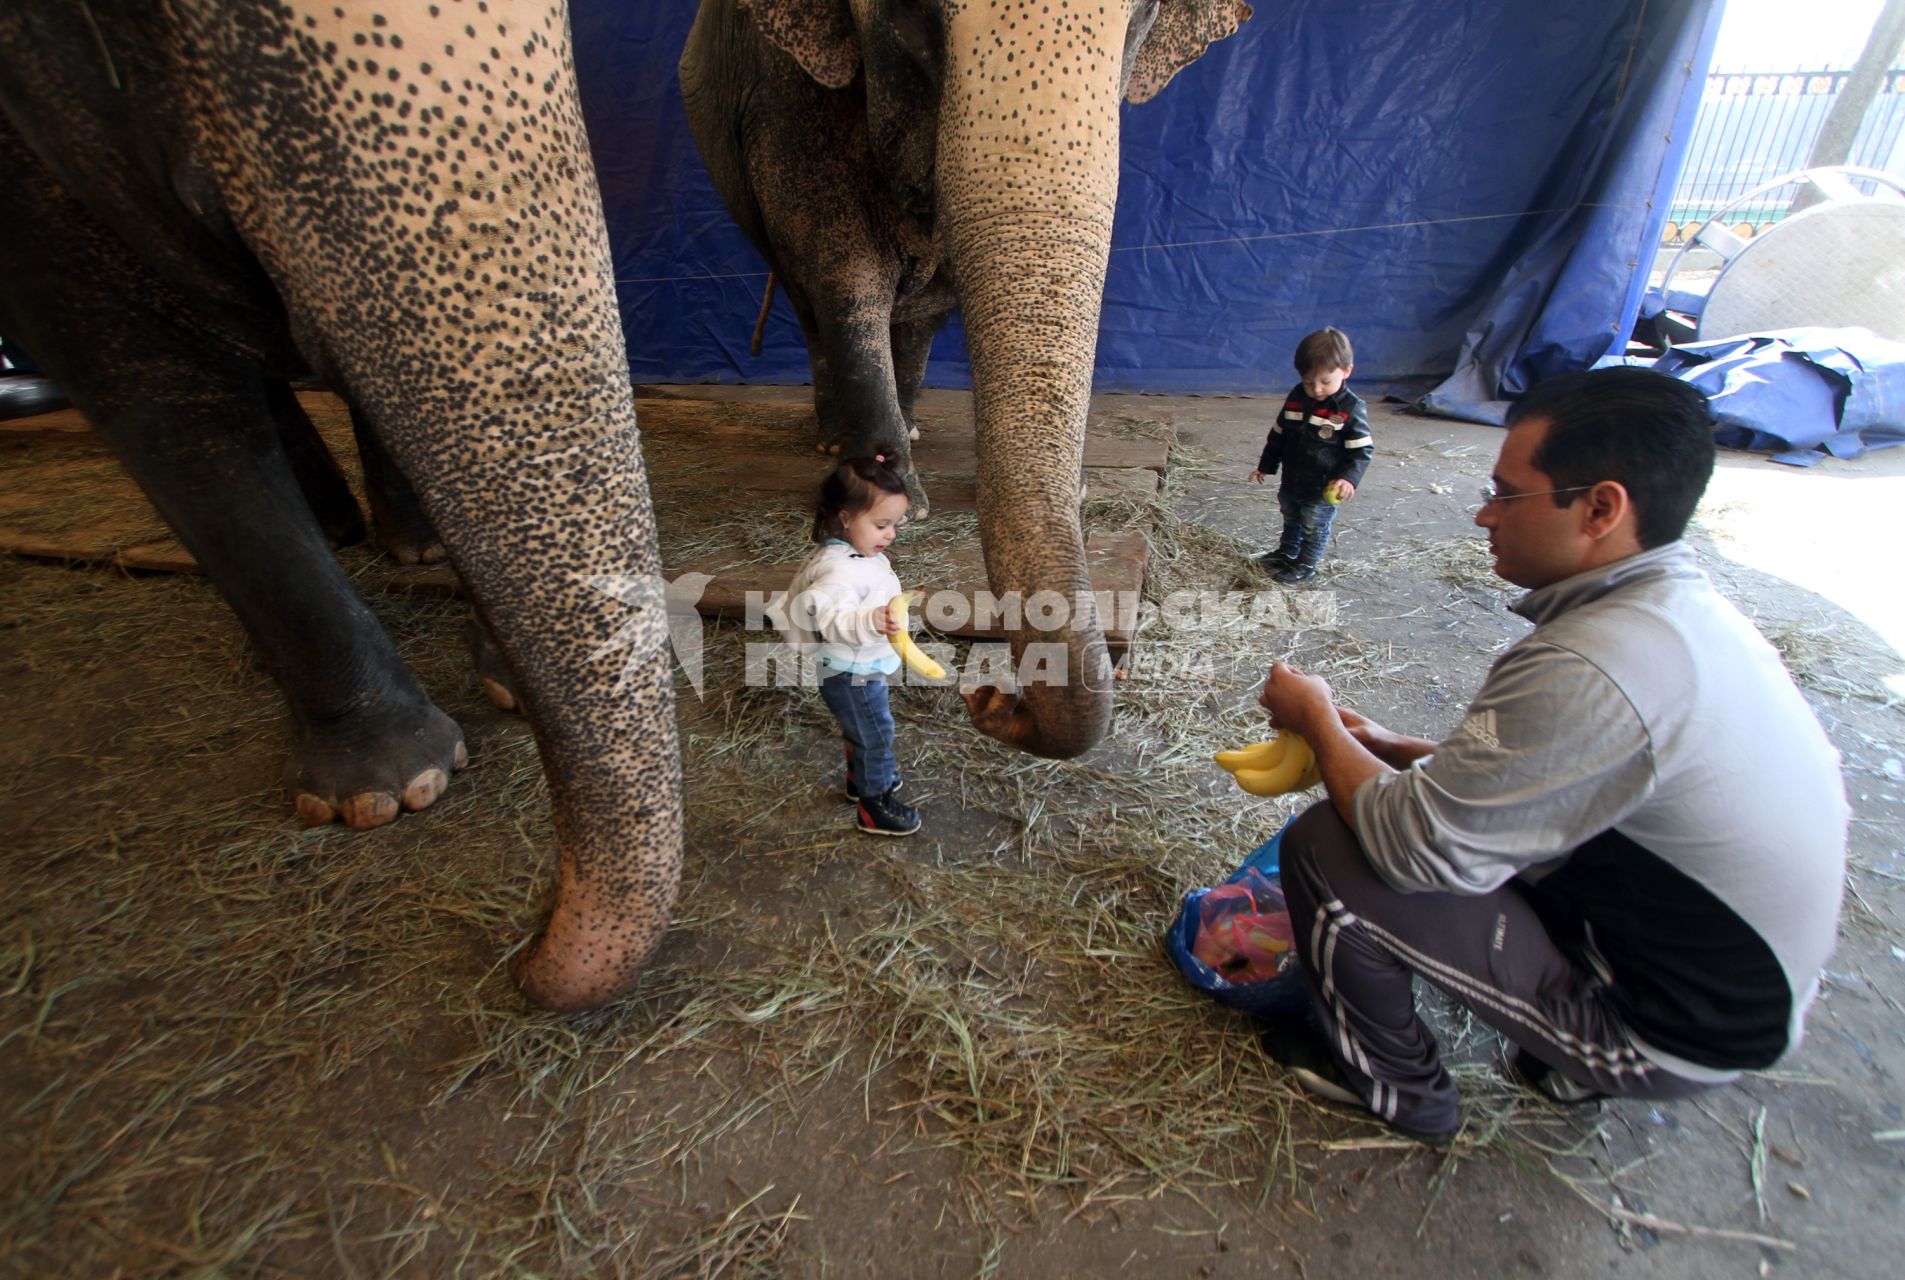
<point>1296,573</point>
<point>887,815</point>
<point>1275,561</point>
<point>1536,1076</point>
<point>1298,1046</point>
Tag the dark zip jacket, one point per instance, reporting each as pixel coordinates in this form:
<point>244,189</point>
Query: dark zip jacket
<point>1316,441</point>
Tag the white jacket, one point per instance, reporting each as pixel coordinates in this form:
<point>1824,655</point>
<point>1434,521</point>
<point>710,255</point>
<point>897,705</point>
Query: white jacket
<point>829,610</point>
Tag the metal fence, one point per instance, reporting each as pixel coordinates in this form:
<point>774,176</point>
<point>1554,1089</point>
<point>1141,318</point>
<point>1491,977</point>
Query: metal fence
<point>1755,126</point>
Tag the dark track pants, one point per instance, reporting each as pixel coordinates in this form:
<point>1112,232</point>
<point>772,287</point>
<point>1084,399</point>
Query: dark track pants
<point>1361,941</point>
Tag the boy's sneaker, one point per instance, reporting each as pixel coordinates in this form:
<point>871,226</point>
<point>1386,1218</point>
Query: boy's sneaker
<point>1298,1046</point>
<point>1296,573</point>
<point>1536,1076</point>
<point>887,815</point>
<point>1275,561</point>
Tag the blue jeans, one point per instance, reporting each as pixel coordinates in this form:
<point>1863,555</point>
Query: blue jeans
<point>1306,529</point>
<point>859,703</point>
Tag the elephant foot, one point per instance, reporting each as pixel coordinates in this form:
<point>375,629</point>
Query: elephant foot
<point>409,552</point>
<point>409,541</point>
<point>919,506</point>
<point>492,668</point>
<point>364,775</point>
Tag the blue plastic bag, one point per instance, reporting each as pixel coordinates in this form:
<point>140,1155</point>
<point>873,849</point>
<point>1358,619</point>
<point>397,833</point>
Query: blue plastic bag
<point>1252,890</point>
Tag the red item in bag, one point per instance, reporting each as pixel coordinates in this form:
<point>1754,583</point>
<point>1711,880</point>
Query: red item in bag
<point>1243,932</point>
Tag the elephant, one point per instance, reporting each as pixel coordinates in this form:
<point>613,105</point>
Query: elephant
<point>398,524</point>
<point>894,158</point>
<point>205,198</point>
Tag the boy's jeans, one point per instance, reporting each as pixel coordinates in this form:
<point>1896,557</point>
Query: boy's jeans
<point>1306,529</point>
<point>859,703</point>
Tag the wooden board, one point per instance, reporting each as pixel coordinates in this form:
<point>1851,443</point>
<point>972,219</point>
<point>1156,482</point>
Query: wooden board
<point>64,497</point>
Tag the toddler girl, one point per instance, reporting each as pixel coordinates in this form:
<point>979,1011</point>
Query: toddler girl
<point>835,611</point>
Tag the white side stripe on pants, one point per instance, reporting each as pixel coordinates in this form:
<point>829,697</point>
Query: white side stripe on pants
<point>1617,1060</point>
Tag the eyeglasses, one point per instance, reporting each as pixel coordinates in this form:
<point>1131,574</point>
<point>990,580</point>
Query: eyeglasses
<point>1490,494</point>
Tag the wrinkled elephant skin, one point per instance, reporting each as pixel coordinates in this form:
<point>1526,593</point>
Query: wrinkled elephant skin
<point>216,195</point>
<point>893,158</point>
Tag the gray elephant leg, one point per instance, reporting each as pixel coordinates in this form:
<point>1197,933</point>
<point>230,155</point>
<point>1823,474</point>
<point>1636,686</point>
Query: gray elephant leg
<point>857,343</point>
<point>193,422</point>
<point>403,531</point>
<point>369,742</point>
<point>829,431</point>
<point>326,491</point>
<point>912,345</point>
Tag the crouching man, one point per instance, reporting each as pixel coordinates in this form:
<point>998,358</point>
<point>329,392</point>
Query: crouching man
<point>1628,857</point>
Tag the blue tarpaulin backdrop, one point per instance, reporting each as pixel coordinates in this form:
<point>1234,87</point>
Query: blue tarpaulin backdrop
<point>1410,172</point>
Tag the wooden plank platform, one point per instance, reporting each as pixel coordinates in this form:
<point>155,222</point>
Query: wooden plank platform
<point>64,497</point>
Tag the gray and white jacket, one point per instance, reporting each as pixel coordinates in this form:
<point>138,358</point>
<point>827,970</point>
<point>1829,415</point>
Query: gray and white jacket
<point>1643,761</point>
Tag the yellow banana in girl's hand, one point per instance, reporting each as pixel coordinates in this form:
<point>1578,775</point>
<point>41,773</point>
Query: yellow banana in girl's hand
<point>916,658</point>
<point>1283,764</point>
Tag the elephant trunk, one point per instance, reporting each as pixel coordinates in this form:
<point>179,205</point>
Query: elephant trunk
<point>1028,164</point>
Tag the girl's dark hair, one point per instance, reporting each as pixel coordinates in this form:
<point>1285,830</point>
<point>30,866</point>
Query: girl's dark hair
<point>855,485</point>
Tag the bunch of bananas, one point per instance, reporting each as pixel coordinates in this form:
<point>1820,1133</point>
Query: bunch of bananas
<point>911,654</point>
<point>1285,763</point>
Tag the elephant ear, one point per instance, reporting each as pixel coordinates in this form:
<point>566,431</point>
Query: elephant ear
<point>818,34</point>
<point>1184,29</point>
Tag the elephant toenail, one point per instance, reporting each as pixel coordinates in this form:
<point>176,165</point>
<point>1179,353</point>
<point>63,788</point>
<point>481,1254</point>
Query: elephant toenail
<point>499,695</point>
<point>313,812</point>
<point>462,756</point>
<point>369,809</point>
<point>424,789</point>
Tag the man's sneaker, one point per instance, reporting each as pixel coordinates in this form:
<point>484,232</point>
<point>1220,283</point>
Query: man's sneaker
<point>1296,573</point>
<point>1531,1073</point>
<point>887,815</point>
<point>1297,1044</point>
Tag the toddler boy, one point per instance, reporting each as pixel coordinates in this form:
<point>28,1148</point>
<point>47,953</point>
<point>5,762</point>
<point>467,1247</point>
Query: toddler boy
<point>1321,443</point>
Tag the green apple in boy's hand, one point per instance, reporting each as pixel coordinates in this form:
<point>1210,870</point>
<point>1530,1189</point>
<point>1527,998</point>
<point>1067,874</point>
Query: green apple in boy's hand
<point>1338,492</point>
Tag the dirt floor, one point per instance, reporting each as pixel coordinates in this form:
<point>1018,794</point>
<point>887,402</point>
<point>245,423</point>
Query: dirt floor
<point>236,1047</point>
